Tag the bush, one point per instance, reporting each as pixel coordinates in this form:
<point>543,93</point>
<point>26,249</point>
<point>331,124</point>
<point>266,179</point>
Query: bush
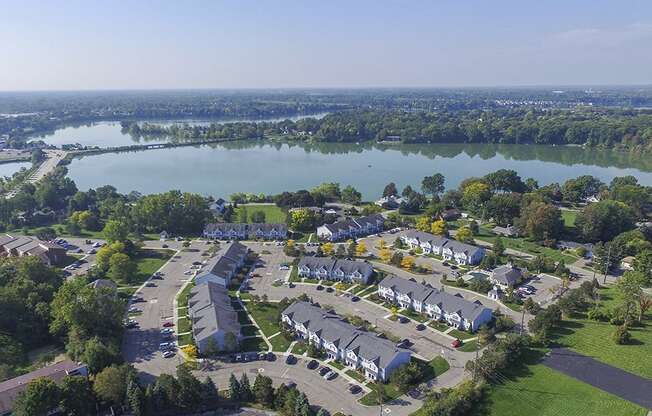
<point>597,314</point>
<point>621,335</point>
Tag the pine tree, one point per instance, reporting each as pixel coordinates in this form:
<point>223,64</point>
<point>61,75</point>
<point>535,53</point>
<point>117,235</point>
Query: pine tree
<point>245,389</point>
<point>135,399</point>
<point>234,388</point>
<point>209,396</point>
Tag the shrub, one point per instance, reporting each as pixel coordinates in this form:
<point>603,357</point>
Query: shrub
<point>597,314</point>
<point>621,335</point>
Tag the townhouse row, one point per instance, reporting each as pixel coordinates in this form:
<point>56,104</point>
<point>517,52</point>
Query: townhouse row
<point>48,252</point>
<point>213,318</point>
<point>452,309</point>
<point>222,267</point>
<point>351,228</point>
<point>375,357</point>
<point>325,268</point>
<point>241,231</point>
<point>451,250</point>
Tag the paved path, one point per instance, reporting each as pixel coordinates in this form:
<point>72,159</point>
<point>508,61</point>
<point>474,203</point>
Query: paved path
<point>613,380</point>
<point>54,157</point>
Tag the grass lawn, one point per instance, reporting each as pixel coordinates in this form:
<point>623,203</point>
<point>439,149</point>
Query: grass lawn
<point>127,291</point>
<point>439,366</point>
<point>280,343</point>
<point>183,325</point>
<point>391,392</point>
<point>537,390</point>
<point>294,274</point>
<point>414,315</point>
<point>595,339</point>
<point>149,261</point>
<point>439,326</point>
<point>460,334</point>
<point>468,346</point>
<point>249,331</point>
<point>569,217</point>
<point>243,318</point>
<point>299,348</point>
<point>273,214</point>
<point>184,339</point>
<point>265,314</point>
<point>521,244</point>
<point>366,290</point>
<point>336,364</point>
<point>513,306</point>
<point>356,376</point>
<point>182,298</point>
<point>253,344</point>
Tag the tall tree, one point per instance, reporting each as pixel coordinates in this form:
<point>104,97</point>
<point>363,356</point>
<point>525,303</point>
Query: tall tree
<point>433,185</point>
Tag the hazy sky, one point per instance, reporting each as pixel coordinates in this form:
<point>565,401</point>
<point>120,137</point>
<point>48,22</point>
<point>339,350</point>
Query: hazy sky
<point>322,43</point>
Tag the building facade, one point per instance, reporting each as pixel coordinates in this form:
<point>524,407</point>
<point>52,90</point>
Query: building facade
<point>375,357</point>
<point>50,253</point>
<point>213,318</point>
<point>452,309</point>
<point>351,228</point>
<point>238,231</point>
<point>325,268</point>
<point>222,267</point>
<point>449,249</point>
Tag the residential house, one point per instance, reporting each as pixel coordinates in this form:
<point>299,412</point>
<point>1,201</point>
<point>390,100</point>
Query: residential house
<point>325,268</point>
<point>627,263</point>
<point>213,317</point>
<point>226,231</point>
<point>390,202</point>
<point>573,245</point>
<point>449,249</point>
<point>453,309</point>
<point>451,214</point>
<point>104,284</point>
<point>218,206</point>
<point>507,276</point>
<point>163,235</point>
<point>10,389</point>
<point>375,357</point>
<point>351,228</point>
<point>222,267</point>
<point>496,293</point>
<point>50,253</point>
<point>238,231</point>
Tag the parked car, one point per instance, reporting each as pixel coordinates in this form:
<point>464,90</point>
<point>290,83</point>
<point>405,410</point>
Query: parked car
<point>456,344</point>
<point>284,268</point>
<point>330,375</point>
<point>323,370</point>
<point>150,284</point>
<point>168,324</point>
<point>165,246</point>
<point>167,331</point>
<point>421,327</point>
<point>97,245</point>
<point>354,389</point>
<point>168,354</point>
<point>290,384</point>
<point>320,287</point>
<point>271,356</point>
<point>355,299</point>
<point>330,289</point>
<point>291,359</point>
<point>91,251</point>
<point>137,299</point>
<point>403,319</point>
<point>312,364</point>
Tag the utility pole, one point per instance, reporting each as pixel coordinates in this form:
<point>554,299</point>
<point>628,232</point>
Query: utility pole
<point>520,332</point>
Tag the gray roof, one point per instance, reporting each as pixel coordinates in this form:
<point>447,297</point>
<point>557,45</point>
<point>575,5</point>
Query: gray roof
<point>356,223</point>
<point>352,266</point>
<point>236,251</point>
<point>459,247</point>
<point>226,227</point>
<point>372,219</point>
<point>103,283</point>
<point>314,263</point>
<point>425,237</point>
<point>221,266</point>
<point>344,225</point>
<point>209,306</point>
<point>280,228</point>
<point>507,275</point>
<point>429,295</point>
<point>346,336</point>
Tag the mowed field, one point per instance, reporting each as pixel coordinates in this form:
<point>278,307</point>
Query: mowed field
<point>273,214</point>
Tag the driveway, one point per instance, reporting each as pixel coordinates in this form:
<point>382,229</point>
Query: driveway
<point>613,380</point>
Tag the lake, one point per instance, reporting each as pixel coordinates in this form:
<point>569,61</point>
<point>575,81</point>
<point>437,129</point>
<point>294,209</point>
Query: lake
<point>271,167</point>
<point>8,169</point>
<point>109,134</point>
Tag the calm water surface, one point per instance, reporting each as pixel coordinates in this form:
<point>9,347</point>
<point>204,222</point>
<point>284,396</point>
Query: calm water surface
<point>245,166</point>
<point>8,169</point>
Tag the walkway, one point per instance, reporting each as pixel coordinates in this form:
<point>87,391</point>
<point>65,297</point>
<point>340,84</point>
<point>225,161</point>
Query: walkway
<point>613,380</point>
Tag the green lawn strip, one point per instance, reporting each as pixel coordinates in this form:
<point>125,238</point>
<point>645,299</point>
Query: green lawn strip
<point>273,214</point>
<point>513,306</point>
<point>253,344</point>
<point>294,274</point>
<point>265,314</point>
<point>594,339</point>
<point>538,390</point>
<point>184,339</point>
<point>468,346</point>
<point>127,290</point>
<point>368,290</point>
<point>355,375</point>
<point>521,244</point>
<point>392,392</point>
<point>299,348</point>
<point>328,282</point>
<point>336,364</point>
<point>569,218</point>
<point>460,334</point>
<point>439,326</point>
<point>149,261</point>
<point>414,315</point>
<point>439,366</point>
<point>280,343</point>
<point>183,325</point>
<point>182,298</point>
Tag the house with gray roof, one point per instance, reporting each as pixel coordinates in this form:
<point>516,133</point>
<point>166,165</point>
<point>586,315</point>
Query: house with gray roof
<point>50,253</point>
<point>506,276</point>
<point>351,228</point>
<point>449,249</point>
<point>452,309</point>
<point>376,357</point>
<point>212,316</point>
<point>224,265</point>
<point>238,231</point>
<point>326,268</point>
<point>267,231</point>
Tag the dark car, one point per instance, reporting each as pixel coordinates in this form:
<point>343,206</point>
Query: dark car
<point>291,359</point>
<point>403,319</point>
<point>354,389</point>
<point>271,356</point>
<point>330,289</point>
<point>421,327</point>
<point>290,384</point>
<point>456,344</point>
<point>445,263</point>
<point>262,356</point>
<point>406,343</point>
<point>355,299</point>
<point>312,364</point>
<point>320,287</point>
<point>454,267</point>
<point>291,285</point>
<point>324,370</point>
<point>165,246</point>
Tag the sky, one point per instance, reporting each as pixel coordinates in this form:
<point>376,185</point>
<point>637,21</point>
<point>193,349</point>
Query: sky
<point>102,44</point>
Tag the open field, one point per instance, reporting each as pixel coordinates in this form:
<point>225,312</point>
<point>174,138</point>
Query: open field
<point>273,214</point>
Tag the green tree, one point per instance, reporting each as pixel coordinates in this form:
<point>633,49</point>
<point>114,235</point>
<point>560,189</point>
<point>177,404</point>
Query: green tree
<point>40,397</point>
<point>110,384</point>
<point>604,220</point>
<point>541,221</point>
<point>209,395</point>
<point>475,195</point>
<point>351,196</point>
<point>122,268</point>
<point>234,388</point>
<point>76,396</point>
<point>498,247</point>
<point>258,217</point>
<point>115,230</point>
<point>464,234</point>
<point>263,390</point>
<point>135,398</point>
<point>433,185</point>
<point>245,394</point>
<point>189,389</point>
<point>390,190</point>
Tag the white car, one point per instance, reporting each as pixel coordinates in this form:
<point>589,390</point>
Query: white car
<point>168,354</point>
<point>187,272</point>
<point>133,310</point>
<point>284,268</point>
<point>167,331</point>
<point>330,375</point>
